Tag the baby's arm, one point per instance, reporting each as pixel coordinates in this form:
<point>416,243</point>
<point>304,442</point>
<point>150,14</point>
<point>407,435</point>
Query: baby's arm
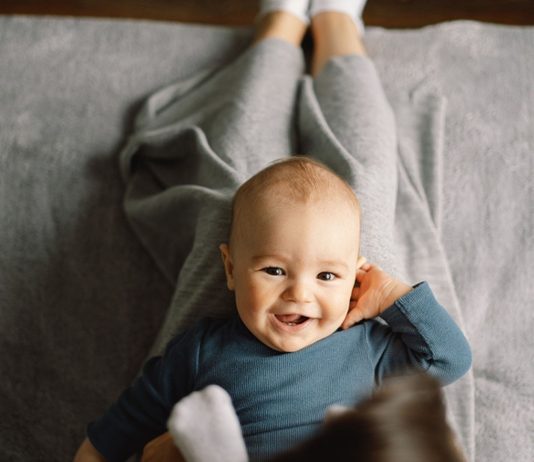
<point>141,412</point>
<point>420,332</point>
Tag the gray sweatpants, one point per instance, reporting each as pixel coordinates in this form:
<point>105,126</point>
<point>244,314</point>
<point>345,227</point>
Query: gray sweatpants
<point>196,141</point>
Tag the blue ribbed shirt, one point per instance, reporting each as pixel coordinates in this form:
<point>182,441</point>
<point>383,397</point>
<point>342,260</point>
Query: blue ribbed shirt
<point>281,398</point>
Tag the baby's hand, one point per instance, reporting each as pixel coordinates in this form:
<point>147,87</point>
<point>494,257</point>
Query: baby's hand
<point>376,290</point>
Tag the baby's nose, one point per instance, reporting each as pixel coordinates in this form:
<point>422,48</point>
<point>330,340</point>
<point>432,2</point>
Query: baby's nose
<point>298,292</point>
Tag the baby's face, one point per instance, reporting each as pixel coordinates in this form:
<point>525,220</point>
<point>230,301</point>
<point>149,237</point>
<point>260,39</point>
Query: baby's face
<point>293,269</point>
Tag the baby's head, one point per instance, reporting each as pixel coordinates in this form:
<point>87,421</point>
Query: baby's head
<point>293,252</point>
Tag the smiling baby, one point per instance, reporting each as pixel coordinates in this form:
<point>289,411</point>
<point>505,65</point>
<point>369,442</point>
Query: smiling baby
<point>305,334</point>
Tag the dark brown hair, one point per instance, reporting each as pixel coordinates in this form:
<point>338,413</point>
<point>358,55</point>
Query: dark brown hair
<point>404,421</point>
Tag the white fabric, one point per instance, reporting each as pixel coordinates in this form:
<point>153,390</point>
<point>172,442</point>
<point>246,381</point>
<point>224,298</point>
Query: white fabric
<point>353,8</point>
<point>205,427</point>
<point>297,7</point>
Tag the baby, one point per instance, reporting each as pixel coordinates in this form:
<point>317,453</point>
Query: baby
<point>305,334</point>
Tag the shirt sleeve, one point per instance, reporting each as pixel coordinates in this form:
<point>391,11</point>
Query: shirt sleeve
<point>140,414</point>
<point>419,335</point>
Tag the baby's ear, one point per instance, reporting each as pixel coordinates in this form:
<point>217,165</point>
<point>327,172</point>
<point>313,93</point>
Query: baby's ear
<point>228,265</point>
<point>361,261</point>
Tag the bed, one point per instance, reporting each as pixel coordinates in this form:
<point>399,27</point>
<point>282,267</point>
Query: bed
<point>83,302</point>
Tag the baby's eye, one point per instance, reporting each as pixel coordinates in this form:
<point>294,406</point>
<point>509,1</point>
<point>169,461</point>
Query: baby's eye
<point>327,276</point>
<point>274,271</point>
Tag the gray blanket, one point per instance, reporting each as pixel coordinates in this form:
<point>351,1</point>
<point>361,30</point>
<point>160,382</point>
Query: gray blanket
<point>82,300</point>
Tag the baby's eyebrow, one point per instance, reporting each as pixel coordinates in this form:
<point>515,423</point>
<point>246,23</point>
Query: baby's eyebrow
<point>334,263</point>
<point>264,257</point>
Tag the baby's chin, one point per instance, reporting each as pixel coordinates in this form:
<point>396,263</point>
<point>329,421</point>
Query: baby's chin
<point>289,348</point>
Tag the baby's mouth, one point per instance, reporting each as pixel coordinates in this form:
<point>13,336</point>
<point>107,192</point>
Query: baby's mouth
<point>291,319</point>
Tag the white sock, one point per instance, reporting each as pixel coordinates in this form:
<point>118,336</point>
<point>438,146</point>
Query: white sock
<point>353,8</point>
<point>205,427</point>
<point>297,7</point>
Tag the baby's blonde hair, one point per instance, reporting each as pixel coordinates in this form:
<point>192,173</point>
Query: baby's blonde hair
<point>295,179</point>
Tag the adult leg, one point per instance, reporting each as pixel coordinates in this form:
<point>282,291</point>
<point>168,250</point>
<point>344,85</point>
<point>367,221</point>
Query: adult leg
<point>282,25</point>
<point>335,34</point>
<point>345,100</point>
<point>195,142</point>
<point>346,122</point>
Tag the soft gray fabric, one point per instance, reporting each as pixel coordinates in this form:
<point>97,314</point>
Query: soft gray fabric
<point>81,299</point>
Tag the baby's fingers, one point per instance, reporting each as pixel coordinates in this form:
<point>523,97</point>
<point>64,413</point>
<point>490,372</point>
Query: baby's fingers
<point>360,275</point>
<point>353,316</point>
<point>355,293</point>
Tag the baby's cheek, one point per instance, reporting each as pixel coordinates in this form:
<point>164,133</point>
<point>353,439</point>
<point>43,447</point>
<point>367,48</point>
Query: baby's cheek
<point>331,324</point>
<point>258,297</point>
<point>339,302</point>
<point>341,297</point>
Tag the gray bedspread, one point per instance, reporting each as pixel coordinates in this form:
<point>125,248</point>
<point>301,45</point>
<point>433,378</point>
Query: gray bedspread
<point>82,302</point>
